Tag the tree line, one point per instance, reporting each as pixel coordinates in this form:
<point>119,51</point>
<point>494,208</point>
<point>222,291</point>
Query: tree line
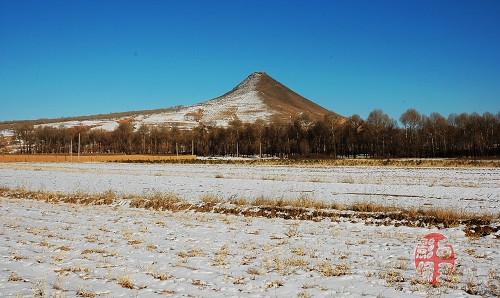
<point>377,136</point>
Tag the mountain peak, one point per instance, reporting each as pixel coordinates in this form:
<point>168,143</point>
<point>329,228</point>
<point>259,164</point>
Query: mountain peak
<point>248,84</point>
<point>261,96</point>
<point>258,74</point>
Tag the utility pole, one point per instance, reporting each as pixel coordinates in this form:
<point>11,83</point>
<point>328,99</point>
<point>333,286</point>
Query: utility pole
<point>78,147</point>
<point>177,151</point>
<point>71,150</point>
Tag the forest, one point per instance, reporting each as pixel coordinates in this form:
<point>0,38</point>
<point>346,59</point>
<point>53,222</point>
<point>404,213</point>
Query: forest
<point>377,136</point>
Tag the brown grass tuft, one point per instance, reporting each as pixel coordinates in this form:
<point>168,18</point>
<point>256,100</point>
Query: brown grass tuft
<point>157,201</point>
<point>326,269</point>
<point>125,280</point>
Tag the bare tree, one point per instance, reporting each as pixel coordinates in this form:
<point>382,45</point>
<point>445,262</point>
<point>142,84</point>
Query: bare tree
<point>24,134</point>
<point>122,137</point>
<point>412,122</point>
<point>3,143</point>
<point>378,126</point>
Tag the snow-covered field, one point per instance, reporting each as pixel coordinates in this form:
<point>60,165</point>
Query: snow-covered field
<point>65,250</point>
<point>471,189</point>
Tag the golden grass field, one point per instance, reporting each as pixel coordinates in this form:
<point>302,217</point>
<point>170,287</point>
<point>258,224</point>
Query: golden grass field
<point>90,158</point>
<point>362,162</point>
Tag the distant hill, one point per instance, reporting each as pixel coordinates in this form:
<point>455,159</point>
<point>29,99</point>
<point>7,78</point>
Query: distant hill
<point>259,96</point>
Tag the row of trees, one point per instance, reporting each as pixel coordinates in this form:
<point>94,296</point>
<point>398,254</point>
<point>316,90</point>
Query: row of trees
<point>463,135</point>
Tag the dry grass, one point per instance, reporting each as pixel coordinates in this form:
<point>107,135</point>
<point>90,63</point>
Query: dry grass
<point>368,206</point>
<point>14,277</point>
<point>391,275</point>
<point>156,201</point>
<point>301,208</point>
<point>80,197</point>
<point>125,280</point>
<point>92,158</point>
<point>159,275</point>
<point>326,269</point>
<point>82,292</point>
<point>221,257</point>
<point>301,202</point>
<point>93,251</point>
<point>40,287</point>
<point>366,162</point>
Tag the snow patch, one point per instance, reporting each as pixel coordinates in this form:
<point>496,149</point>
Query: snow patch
<point>7,133</point>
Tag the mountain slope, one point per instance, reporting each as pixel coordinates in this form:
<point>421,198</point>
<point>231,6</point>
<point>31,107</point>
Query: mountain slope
<point>259,96</point>
<point>280,98</point>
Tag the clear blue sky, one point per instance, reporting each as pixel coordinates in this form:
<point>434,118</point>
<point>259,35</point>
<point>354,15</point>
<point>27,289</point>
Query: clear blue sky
<point>71,58</point>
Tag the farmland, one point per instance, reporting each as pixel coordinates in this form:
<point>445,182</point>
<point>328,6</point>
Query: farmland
<point>90,157</point>
<point>120,230</point>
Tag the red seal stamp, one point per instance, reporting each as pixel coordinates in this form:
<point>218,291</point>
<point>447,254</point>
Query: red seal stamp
<point>434,258</point>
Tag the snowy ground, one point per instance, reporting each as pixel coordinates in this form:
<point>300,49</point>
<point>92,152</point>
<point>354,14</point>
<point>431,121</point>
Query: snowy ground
<point>472,189</point>
<point>65,250</point>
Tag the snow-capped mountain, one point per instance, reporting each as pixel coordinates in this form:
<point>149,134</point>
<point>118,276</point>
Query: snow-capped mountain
<point>257,97</point>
